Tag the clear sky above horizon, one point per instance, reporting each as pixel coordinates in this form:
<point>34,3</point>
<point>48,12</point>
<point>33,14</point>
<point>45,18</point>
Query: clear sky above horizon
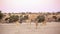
<point>29,5</point>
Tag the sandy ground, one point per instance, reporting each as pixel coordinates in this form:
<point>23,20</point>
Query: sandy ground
<point>24,28</point>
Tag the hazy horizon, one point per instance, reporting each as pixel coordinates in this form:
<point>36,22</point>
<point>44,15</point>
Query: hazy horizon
<point>16,6</point>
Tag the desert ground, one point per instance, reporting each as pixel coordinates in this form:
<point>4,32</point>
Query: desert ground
<point>26,28</point>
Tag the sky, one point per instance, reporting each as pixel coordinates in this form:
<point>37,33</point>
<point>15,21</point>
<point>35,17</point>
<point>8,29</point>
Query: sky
<point>17,6</point>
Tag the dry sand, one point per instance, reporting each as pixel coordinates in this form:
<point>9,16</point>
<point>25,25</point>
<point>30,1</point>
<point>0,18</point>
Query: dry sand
<point>24,28</point>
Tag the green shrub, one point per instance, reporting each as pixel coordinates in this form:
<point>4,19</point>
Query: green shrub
<point>40,18</point>
<point>1,16</point>
<point>13,18</point>
<point>23,18</point>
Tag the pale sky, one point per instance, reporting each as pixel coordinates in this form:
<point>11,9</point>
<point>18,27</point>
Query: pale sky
<point>29,5</point>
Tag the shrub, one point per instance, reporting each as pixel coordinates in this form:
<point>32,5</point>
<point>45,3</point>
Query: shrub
<point>54,17</point>
<point>1,16</point>
<point>23,18</point>
<point>40,18</point>
<point>58,19</point>
<point>13,18</point>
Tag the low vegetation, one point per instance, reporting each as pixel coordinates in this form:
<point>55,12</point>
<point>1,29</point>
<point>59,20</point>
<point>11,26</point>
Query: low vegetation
<point>1,16</point>
<point>40,18</point>
<point>13,18</point>
<point>23,18</point>
<point>58,19</point>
